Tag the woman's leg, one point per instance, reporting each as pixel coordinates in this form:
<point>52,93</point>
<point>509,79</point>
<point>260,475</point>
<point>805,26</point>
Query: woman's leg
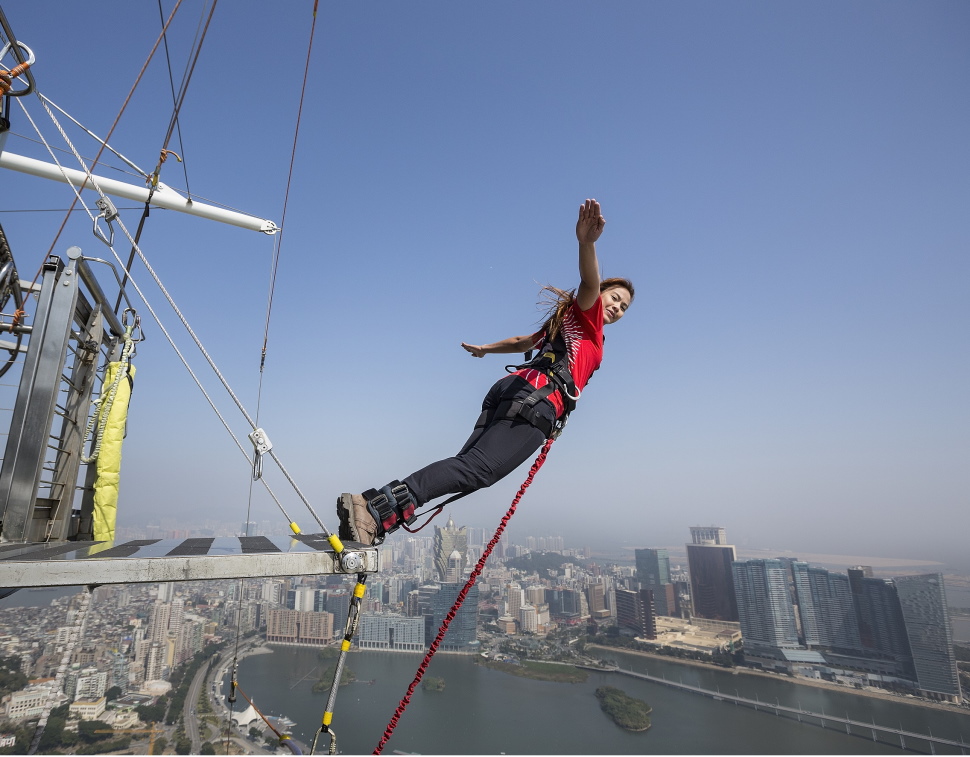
<point>496,447</point>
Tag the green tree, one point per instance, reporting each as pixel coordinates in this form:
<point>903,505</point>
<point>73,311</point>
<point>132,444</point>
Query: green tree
<point>87,730</point>
<point>161,744</point>
<point>207,748</point>
<point>113,693</point>
<point>11,679</point>
<point>255,733</point>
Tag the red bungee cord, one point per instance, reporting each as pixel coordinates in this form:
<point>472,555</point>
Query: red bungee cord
<point>461,598</point>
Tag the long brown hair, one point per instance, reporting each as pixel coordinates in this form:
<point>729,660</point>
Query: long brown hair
<point>557,301</point>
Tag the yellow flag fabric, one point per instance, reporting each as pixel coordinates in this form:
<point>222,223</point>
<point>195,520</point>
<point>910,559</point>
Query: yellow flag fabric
<point>109,458</point>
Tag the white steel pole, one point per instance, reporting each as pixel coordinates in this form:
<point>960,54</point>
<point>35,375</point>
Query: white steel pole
<point>164,196</point>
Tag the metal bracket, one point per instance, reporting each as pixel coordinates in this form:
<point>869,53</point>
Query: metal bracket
<point>262,445</point>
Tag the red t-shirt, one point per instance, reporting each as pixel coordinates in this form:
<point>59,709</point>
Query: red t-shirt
<point>583,332</point>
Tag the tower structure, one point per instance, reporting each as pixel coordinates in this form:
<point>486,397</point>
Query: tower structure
<point>635,613</point>
<point>653,573</point>
<point>709,559</point>
<point>447,540</point>
<point>922,600</point>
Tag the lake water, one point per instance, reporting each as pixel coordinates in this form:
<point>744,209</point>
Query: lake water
<point>483,711</point>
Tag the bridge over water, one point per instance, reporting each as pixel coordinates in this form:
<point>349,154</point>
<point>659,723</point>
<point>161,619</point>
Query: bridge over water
<point>922,742</point>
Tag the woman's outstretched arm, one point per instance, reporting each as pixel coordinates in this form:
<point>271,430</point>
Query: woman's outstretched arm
<point>588,229</point>
<point>506,346</point>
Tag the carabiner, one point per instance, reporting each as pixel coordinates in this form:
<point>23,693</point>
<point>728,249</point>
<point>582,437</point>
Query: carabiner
<point>26,72</point>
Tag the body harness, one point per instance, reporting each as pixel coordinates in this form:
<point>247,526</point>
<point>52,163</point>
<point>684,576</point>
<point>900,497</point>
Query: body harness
<point>553,362</point>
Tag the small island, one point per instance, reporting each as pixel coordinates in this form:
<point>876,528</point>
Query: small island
<point>430,683</point>
<point>627,712</point>
<point>326,679</point>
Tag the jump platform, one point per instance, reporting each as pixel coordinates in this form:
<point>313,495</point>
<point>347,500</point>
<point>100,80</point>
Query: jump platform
<point>87,563</point>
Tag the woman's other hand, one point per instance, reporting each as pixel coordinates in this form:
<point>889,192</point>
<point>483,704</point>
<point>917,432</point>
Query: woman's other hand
<point>474,350</point>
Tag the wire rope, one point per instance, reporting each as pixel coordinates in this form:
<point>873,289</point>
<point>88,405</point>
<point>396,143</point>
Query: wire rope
<point>164,331</point>
<point>114,125</point>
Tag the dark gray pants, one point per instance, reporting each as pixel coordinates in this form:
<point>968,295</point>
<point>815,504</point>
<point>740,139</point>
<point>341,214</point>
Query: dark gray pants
<point>497,446</point>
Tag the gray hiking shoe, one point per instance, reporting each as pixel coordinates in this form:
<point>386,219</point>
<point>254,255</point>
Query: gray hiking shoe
<point>356,522</point>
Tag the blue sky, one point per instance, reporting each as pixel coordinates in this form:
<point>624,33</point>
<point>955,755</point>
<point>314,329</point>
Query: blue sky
<point>787,184</point>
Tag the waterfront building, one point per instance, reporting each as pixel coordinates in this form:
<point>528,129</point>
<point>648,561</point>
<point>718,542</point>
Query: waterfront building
<point>807,614</point>
<point>882,630</point>
<point>653,573</point>
<point>922,599</point>
<point>764,605</point>
<point>299,627</point>
<point>391,632</point>
<point>462,635</point>
<point>834,612</point>
<point>711,580</point>
<point>635,613</point>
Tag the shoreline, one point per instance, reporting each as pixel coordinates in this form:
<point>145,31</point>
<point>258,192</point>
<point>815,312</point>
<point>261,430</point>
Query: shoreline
<point>875,694</point>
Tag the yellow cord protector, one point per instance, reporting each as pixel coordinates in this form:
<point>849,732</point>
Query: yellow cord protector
<point>109,458</point>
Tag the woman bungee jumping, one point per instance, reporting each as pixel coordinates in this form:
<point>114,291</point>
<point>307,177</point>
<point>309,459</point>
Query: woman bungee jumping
<point>522,409</point>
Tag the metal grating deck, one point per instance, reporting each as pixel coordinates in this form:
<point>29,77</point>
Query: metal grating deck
<point>159,560</point>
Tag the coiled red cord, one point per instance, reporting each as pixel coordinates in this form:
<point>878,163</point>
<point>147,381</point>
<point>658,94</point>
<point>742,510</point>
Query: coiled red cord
<point>461,598</point>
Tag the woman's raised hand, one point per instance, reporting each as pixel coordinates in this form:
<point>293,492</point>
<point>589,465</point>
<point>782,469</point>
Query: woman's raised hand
<point>591,222</point>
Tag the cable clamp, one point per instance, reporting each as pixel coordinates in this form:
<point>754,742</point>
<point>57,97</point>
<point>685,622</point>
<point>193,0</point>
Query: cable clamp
<point>262,445</point>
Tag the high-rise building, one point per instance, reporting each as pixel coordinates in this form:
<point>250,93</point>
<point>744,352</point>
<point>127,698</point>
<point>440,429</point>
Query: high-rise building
<point>596,597</point>
<point>393,632</point>
<point>805,604</point>
<point>879,615</point>
<point>448,540</point>
<point>653,573</point>
<point>634,613</point>
<point>923,602</point>
<point>764,604</point>
<point>299,627</point>
<point>454,573</point>
<point>513,599</point>
<point>528,619</point>
<point>833,613</point>
<point>711,580</point>
<point>462,634</point>
<point>565,605</point>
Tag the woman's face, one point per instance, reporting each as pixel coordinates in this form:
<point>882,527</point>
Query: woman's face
<point>615,302</point>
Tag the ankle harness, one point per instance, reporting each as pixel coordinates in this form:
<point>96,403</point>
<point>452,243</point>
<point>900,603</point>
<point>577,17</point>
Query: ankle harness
<point>553,362</point>
<point>392,505</point>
